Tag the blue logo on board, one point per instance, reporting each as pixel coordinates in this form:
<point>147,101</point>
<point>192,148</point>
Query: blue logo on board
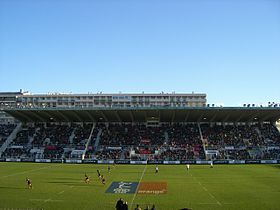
<point>122,187</point>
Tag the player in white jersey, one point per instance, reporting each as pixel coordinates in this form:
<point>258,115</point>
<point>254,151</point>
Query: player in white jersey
<point>156,169</point>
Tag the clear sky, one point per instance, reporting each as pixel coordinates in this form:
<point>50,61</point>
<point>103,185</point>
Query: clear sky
<point>228,49</point>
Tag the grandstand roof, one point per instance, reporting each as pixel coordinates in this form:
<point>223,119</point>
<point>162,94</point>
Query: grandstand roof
<point>163,114</point>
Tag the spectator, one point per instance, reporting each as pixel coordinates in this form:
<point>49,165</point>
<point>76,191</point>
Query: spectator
<point>119,205</point>
<point>137,207</point>
<point>125,206</point>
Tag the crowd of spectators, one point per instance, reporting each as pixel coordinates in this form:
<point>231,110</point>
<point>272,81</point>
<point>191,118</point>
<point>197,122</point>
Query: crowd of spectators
<point>50,137</point>
<point>108,154</point>
<point>19,146</point>
<point>82,133</point>
<point>52,134</point>
<point>176,154</point>
<point>237,154</point>
<point>184,143</point>
<point>270,135</point>
<point>219,135</point>
<point>24,136</point>
<point>176,141</point>
<point>128,135</point>
<point>55,152</point>
<point>183,135</point>
<point>271,154</point>
<point>5,131</point>
<point>15,152</point>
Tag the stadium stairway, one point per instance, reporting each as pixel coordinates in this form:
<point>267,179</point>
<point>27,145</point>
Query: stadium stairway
<point>258,132</point>
<point>201,138</point>
<point>277,126</point>
<point>123,154</point>
<point>89,140</point>
<point>10,138</point>
<point>166,138</point>
<point>96,144</point>
<point>30,140</point>
<point>71,137</point>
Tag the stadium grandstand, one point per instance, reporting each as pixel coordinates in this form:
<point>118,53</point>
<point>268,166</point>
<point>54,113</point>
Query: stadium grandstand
<point>128,128</point>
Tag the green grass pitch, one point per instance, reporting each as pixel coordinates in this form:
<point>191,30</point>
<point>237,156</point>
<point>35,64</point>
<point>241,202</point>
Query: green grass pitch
<point>61,186</point>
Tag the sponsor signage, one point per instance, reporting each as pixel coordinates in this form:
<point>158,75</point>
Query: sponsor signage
<point>13,159</point>
<point>16,147</point>
<point>274,147</point>
<point>199,162</point>
<point>73,161</point>
<point>213,152</point>
<point>252,161</point>
<point>152,188</point>
<point>42,160</point>
<point>122,161</point>
<point>188,161</point>
<point>155,161</point>
<point>171,162</point>
<point>268,161</point>
<point>90,161</point>
<point>236,161</point>
<point>138,162</point>
<point>203,162</point>
<point>220,161</point>
<point>57,161</point>
<point>122,187</point>
<point>27,160</point>
<point>114,148</point>
<point>105,161</point>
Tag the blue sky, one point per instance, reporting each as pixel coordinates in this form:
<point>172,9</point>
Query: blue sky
<point>228,49</point>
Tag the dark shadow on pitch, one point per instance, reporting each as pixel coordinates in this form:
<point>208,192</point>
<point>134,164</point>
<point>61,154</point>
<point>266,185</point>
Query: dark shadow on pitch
<point>79,185</point>
<point>61,178</point>
<point>276,166</point>
<point>14,188</point>
<point>62,182</point>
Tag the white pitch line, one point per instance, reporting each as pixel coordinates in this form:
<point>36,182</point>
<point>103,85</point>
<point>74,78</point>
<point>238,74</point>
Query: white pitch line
<point>229,203</point>
<point>138,185</point>
<point>16,209</point>
<point>60,192</point>
<point>212,196</point>
<point>46,200</point>
<point>25,172</point>
<point>206,190</point>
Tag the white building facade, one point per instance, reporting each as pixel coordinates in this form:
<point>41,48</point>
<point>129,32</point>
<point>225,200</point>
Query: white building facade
<point>111,100</point>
